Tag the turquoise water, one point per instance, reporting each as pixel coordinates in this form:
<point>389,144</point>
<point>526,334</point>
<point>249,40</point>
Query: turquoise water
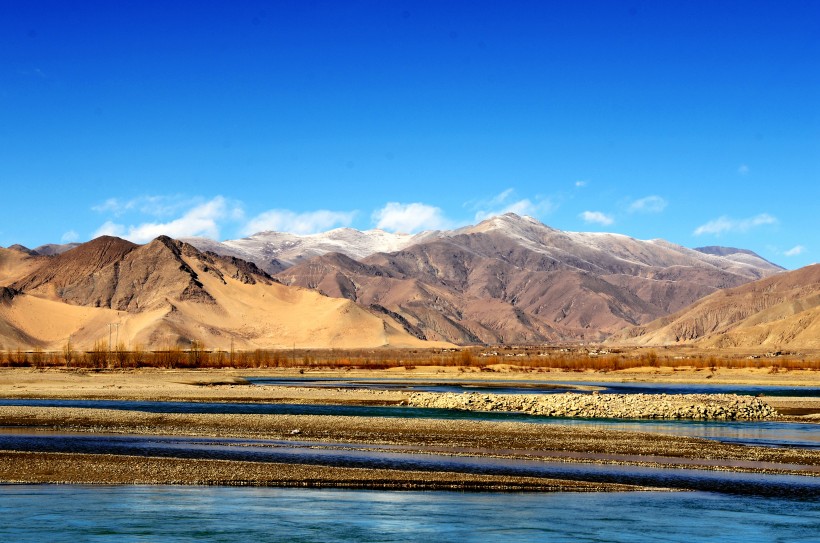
<point>770,433</point>
<point>509,386</point>
<point>387,457</point>
<point>31,513</point>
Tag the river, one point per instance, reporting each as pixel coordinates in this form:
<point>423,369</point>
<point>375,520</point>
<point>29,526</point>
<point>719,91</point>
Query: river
<point>185,514</point>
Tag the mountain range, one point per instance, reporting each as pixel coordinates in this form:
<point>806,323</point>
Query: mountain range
<point>169,293</point>
<point>508,279</point>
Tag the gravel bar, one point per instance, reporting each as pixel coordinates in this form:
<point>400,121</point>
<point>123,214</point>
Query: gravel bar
<point>610,406</point>
<point>63,468</point>
<point>466,434</point>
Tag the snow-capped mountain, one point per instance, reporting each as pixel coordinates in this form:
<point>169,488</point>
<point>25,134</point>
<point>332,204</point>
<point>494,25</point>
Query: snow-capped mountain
<point>508,279</point>
<point>513,279</point>
<point>591,251</point>
<point>543,239</point>
<point>276,251</point>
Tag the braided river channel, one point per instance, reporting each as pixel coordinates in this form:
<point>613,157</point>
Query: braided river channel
<point>704,505</point>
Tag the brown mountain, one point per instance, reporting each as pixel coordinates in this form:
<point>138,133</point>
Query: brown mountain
<point>52,249</point>
<point>168,292</point>
<point>16,263</point>
<point>777,312</point>
<point>74,275</point>
<point>513,279</point>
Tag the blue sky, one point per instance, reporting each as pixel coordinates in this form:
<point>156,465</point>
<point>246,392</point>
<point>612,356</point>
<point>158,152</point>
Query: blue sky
<point>696,122</point>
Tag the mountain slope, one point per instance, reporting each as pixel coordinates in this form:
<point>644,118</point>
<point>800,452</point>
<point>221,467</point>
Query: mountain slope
<point>776,312</point>
<point>513,279</point>
<point>168,292</point>
<point>15,264</point>
<point>60,276</point>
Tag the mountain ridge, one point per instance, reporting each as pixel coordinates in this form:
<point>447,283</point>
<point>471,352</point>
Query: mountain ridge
<point>513,279</point>
<point>288,249</point>
<point>782,311</point>
<point>508,279</point>
<point>168,292</point>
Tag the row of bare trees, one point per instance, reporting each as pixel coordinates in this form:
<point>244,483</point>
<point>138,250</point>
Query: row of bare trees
<point>198,356</point>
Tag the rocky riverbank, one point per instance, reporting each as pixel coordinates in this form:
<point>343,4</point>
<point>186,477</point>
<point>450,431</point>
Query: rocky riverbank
<point>615,406</point>
<point>484,437</point>
<point>63,468</point>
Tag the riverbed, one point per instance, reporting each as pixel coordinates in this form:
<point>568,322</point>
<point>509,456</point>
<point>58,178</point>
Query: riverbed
<point>564,479</point>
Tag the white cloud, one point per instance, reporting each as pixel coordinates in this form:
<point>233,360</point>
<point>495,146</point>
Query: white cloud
<point>504,202</point>
<point>70,236</point>
<point>597,217</point>
<point>112,205</point>
<point>201,220</point>
<point>236,212</point>
<point>649,204</point>
<point>500,198</point>
<point>309,222</point>
<point>725,224</point>
<point>154,205</point>
<point>109,228</point>
<point>581,184</point>
<point>743,169</point>
<point>414,217</point>
<point>796,250</point>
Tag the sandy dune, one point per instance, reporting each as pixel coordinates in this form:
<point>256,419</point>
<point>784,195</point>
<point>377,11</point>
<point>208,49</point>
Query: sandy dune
<point>168,293</point>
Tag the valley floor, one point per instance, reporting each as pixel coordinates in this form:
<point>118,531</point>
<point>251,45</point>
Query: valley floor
<point>223,461</point>
<point>232,384</point>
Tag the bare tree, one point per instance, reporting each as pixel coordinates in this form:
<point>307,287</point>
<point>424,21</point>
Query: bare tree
<point>99,354</point>
<point>121,355</point>
<point>68,352</point>
<point>37,357</point>
<point>196,354</point>
<point>137,355</point>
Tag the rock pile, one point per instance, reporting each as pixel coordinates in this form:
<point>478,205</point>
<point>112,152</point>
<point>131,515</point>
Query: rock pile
<point>611,406</point>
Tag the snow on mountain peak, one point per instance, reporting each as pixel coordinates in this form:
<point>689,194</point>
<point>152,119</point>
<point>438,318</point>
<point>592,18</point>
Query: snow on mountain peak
<point>274,251</point>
